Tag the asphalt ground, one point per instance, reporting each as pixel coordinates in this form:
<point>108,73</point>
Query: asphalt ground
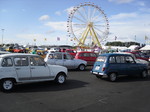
<point>82,92</point>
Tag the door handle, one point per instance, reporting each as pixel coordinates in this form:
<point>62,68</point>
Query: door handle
<point>32,68</point>
<point>18,68</point>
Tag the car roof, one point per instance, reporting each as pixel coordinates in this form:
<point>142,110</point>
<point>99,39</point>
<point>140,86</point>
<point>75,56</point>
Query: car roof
<point>16,54</point>
<point>85,52</point>
<point>114,54</point>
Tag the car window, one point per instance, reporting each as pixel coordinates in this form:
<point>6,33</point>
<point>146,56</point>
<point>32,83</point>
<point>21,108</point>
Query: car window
<point>7,62</point>
<point>21,61</point>
<point>37,61</point>
<point>120,59</point>
<point>86,54</point>
<point>101,59</point>
<point>67,56</point>
<point>129,59</point>
<point>112,59</point>
<point>93,55</point>
<point>51,56</point>
<point>58,56</point>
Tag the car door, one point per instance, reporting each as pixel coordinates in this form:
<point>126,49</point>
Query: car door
<point>132,67</point>
<point>58,59</point>
<point>39,70</point>
<point>121,65</point>
<point>68,61</point>
<point>93,57</point>
<point>22,68</point>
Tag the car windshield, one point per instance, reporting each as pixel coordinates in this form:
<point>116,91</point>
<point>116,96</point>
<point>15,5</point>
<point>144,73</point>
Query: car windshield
<point>101,59</point>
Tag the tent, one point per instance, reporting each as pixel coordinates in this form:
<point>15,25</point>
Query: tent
<point>147,47</point>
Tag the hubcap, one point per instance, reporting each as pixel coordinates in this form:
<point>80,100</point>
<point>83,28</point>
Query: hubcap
<point>81,67</point>
<point>144,74</point>
<point>8,85</point>
<point>113,77</point>
<point>61,79</point>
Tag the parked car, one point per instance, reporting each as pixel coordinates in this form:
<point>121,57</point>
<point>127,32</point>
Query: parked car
<point>71,52</point>
<point>22,68</point>
<point>4,52</point>
<point>139,55</point>
<point>88,56</point>
<point>19,50</point>
<point>65,59</point>
<point>112,65</point>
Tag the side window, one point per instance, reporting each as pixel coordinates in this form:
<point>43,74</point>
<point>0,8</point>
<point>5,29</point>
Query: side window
<point>37,61</point>
<point>7,62</point>
<point>21,61</point>
<point>50,56</point>
<point>93,55</point>
<point>67,56</point>
<point>58,56</point>
<point>112,59</point>
<point>129,59</point>
<point>86,54</point>
<point>120,59</point>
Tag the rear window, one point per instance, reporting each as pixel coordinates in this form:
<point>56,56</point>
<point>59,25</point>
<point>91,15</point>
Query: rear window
<point>101,59</point>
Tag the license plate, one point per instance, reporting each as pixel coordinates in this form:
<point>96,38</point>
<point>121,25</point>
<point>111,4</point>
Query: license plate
<point>97,67</point>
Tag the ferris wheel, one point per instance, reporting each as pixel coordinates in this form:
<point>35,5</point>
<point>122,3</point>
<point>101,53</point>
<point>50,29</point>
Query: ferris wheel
<point>88,25</point>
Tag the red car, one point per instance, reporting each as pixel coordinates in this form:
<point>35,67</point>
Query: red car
<point>139,55</point>
<point>71,52</point>
<point>19,50</point>
<point>88,56</point>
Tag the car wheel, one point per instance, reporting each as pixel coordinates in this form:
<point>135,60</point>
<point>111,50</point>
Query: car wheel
<point>61,78</point>
<point>113,77</point>
<point>81,67</point>
<point>7,85</point>
<point>99,76</point>
<point>144,74</point>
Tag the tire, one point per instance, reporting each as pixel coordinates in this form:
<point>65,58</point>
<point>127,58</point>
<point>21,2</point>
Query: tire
<point>99,76</point>
<point>112,77</point>
<point>61,78</point>
<point>81,67</point>
<point>144,74</point>
<point>7,85</point>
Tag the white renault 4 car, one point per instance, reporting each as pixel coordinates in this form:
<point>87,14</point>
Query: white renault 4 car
<point>24,68</point>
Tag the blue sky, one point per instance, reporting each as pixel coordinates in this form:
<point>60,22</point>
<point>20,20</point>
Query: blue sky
<point>26,20</point>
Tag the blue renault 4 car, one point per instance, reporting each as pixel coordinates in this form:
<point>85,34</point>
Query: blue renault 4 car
<point>112,65</point>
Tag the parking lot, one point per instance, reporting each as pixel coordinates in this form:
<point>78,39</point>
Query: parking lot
<point>82,92</point>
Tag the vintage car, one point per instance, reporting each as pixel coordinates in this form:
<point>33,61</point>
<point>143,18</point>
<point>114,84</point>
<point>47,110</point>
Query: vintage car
<point>88,56</point>
<point>24,68</point>
<point>112,65</point>
<point>65,59</point>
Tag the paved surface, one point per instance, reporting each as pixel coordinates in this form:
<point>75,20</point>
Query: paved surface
<point>82,92</point>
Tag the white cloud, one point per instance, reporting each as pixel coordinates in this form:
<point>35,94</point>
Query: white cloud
<point>121,1</point>
<point>123,16</point>
<point>44,17</point>
<point>58,13</point>
<point>125,30</point>
<point>141,3</point>
<point>62,26</point>
<point>69,10</point>
<point>3,10</point>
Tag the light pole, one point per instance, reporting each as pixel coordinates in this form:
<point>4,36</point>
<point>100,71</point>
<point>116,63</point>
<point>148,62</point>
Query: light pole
<point>2,35</point>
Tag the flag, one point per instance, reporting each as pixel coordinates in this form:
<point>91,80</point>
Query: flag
<point>58,38</point>
<point>146,37</point>
<point>115,37</point>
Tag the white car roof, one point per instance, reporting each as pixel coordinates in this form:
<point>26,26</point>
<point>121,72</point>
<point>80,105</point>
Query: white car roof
<point>16,54</point>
